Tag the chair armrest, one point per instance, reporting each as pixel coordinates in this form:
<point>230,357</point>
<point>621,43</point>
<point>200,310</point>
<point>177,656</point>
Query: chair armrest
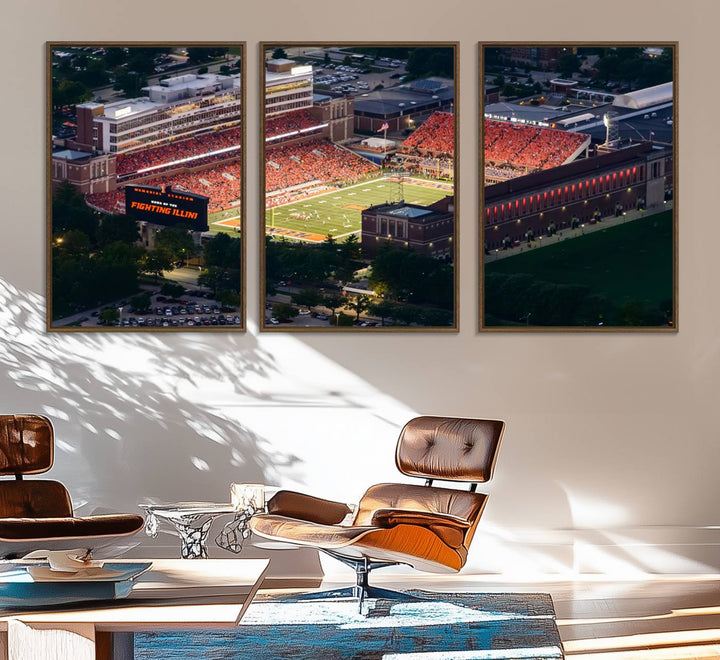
<point>451,529</point>
<point>306,507</point>
<point>392,517</point>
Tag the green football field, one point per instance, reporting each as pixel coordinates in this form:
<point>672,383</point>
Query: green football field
<point>338,212</point>
<point>633,260</point>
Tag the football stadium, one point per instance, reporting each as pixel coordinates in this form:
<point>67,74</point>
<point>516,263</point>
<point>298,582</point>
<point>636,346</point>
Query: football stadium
<point>579,160</point>
<point>318,185</point>
<point>372,162</point>
<point>184,134</point>
<point>146,173</point>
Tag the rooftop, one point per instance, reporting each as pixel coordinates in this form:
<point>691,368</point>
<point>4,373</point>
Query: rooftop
<point>410,212</point>
<point>404,99</point>
<point>71,154</point>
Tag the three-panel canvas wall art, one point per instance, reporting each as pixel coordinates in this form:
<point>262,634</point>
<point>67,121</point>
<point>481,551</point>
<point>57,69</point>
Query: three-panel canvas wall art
<point>360,211</point>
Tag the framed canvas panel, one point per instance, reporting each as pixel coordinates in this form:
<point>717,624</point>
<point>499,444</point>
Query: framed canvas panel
<point>145,163</point>
<point>578,212</point>
<point>360,207</point>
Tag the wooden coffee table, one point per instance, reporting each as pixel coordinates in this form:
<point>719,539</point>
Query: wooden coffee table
<point>174,593</point>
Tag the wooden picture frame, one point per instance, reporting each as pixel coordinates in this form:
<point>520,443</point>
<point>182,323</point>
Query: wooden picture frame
<point>145,186</point>
<point>352,240</point>
<point>578,141</point>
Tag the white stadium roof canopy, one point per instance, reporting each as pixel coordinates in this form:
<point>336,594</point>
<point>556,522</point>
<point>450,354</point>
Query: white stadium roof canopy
<point>644,98</point>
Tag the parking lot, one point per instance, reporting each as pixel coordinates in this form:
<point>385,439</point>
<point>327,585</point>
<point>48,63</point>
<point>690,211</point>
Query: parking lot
<point>358,78</point>
<point>193,310</point>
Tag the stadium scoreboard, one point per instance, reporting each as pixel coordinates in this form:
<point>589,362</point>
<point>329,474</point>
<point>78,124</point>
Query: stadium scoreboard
<point>168,207</point>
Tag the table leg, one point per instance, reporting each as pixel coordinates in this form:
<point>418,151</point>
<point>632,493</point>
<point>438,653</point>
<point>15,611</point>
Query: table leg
<point>236,531</point>
<point>114,645</point>
<point>193,540</point>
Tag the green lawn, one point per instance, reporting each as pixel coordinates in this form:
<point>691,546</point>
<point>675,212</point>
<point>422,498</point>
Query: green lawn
<point>629,261</point>
<point>338,212</point>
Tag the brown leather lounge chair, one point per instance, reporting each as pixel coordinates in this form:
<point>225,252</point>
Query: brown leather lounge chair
<point>427,527</point>
<point>37,514</point>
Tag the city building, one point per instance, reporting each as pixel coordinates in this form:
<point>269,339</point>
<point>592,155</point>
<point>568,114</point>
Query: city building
<point>176,108</point>
<point>425,229</point>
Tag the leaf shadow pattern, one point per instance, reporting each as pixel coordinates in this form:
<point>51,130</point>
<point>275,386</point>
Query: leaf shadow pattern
<point>133,413</point>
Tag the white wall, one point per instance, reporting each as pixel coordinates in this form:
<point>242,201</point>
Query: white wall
<point>610,461</point>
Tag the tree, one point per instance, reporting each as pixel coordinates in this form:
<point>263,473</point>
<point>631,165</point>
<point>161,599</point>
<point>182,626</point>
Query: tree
<point>130,83</point>
<point>172,289</point>
<point>225,70</point>
<point>117,228</point>
<point>408,314</point>
<point>93,75</point>
<point>568,64</point>
<point>332,302</point>
<point>114,57</point>
<point>223,251</point>
<point>229,298</point>
<point>424,62</point>
<point>637,312</point>
<point>69,211</point>
<point>156,261</point>
<point>347,255</point>
<point>307,298</point>
<point>199,55</point>
<point>70,92</point>
<point>142,58</point>
<point>284,312</point>
<point>109,315</point>
<point>220,279</point>
<point>384,309</point>
<point>280,54</point>
<point>326,59</point>
<point>347,60</point>
<point>359,305</point>
<point>407,276</point>
<point>141,302</point>
<point>341,320</point>
<point>176,240</point>
<point>73,242</point>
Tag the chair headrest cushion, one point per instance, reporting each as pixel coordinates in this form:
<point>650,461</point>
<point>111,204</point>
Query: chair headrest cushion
<point>449,448</point>
<point>26,444</point>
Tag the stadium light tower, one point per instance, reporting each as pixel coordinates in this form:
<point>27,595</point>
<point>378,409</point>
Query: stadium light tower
<point>612,131</point>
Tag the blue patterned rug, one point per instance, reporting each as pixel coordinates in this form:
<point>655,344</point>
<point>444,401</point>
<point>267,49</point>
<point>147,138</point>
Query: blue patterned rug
<point>439,626</point>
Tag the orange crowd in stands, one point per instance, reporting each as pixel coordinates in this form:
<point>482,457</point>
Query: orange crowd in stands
<point>195,148</point>
<point>436,137</point>
<point>528,146</point>
<point>222,184</point>
<point>316,160</point>
<point>290,122</point>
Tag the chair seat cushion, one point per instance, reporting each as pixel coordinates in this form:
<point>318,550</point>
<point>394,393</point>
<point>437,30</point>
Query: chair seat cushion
<point>23,529</point>
<point>417,546</point>
<point>305,532</point>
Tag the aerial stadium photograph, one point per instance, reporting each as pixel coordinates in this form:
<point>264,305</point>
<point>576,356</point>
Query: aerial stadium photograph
<point>578,212</point>
<point>359,147</point>
<point>145,186</point>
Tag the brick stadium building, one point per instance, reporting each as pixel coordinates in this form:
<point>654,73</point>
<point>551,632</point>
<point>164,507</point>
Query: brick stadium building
<point>177,109</point>
<point>637,175</point>
<point>425,229</point>
<point>89,174</point>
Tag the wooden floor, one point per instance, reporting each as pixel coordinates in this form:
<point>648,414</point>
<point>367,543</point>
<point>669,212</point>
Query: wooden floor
<point>658,618</point>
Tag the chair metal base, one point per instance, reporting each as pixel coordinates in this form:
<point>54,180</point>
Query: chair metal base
<point>362,590</point>
<point>353,593</point>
